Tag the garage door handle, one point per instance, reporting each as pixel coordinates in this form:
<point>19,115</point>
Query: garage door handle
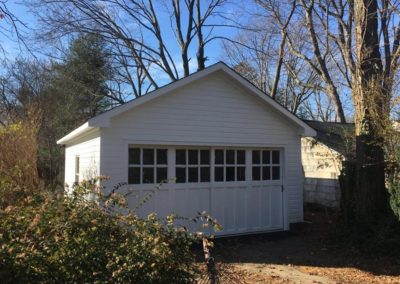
<point>282,188</point>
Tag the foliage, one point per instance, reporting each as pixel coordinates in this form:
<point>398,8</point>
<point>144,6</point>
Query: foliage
<point>67,93</point>
<point>76,239</point>
<point>393,169</point>
<point>381,235</point>
<point>18,154</point>
<point>394,191</point>
<point>83,76</point>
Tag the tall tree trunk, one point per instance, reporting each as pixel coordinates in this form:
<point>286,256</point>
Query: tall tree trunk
<point>370,114</point>
<point>278,66</point>
<point>200,45</point>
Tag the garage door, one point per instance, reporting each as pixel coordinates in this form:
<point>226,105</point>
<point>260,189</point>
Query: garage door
<point>241,188</point>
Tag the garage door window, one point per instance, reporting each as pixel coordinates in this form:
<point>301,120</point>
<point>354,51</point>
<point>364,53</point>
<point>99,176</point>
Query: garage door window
<point>266,165</point>
<point>147,165</point>
<point>230,165</point>
<point>192,165</point>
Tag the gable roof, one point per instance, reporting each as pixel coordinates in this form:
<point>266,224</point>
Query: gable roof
<point>103,120</point>
<point>335,135</point>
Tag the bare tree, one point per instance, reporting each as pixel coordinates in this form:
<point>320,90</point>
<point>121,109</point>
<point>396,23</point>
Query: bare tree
<point>11,27</point>
<point>142,46</point>
<point>259,56</point>
<point>305,24</point>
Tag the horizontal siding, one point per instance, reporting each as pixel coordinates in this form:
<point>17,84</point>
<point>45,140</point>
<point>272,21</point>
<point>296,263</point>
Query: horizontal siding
<point>213,110</point>
<point>88,150</point>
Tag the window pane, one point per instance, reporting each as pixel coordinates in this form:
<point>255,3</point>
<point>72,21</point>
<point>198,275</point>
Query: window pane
<point>230,157</point>
<point>134,156</point>
<point>148,156</point>
<point>162,157</point>
<point>241,173</point>
<point>181,157</point>
<point>148,175</point>
<point>276,173</point>
<point>230,173</point>
<point>162,175</point>
<point>205,174</point>
<point>266,173</point>
<point>241,157</point>
<point>219,174</point>
<point>205,157</point>
<point>193,157</point>
<point>76,169</point>
<point>256,173</point>
<point>275,157</point>
<point>134,175</point>
<point>180,175</point>
<point>256,157</point>
<point>266,157</point>
<point>219,157</point>
<point>193,174</point>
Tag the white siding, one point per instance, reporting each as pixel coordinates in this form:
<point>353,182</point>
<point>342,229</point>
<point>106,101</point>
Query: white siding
<point>88,150</point>
<point>211,111</point>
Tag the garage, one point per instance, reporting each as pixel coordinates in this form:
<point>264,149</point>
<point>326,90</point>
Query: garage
<point>215,142</point>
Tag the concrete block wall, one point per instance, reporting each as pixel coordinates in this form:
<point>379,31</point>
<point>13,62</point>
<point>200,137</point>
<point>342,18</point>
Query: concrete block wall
<point>321,166</point>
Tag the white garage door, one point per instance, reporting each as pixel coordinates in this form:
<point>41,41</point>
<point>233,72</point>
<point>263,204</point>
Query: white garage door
<point>241,188</point>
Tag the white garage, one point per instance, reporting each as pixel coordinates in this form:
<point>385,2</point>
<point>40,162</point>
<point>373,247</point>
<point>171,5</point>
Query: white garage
<point>221,145</point>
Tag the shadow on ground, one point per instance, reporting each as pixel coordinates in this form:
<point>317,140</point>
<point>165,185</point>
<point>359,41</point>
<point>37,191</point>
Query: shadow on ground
<point>307,244</point>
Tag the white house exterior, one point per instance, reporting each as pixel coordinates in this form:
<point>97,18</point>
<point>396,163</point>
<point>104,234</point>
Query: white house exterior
<point>224,146</point>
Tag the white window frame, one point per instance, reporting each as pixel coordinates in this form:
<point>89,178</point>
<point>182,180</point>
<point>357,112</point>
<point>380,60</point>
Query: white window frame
<point>235,165</point>
<point>199,166</point>
<point>141,166</point>
<point>261,165</point>
<point>77,168</point>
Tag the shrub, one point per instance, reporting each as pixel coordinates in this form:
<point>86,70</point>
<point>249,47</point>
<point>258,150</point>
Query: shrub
<point>71,239</point>
<point>18,158</point>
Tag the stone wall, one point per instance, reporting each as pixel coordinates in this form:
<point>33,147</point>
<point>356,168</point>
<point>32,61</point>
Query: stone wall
<point>321,166</point>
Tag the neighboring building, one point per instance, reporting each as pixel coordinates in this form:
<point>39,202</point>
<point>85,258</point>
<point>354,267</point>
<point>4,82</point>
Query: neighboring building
<point>322,158</point>
<point>235,152</point>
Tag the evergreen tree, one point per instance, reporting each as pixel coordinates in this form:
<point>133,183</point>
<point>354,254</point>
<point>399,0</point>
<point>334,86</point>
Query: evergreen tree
<point>82,78</point>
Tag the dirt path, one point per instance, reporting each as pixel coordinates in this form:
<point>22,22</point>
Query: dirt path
<point>302,256</point>
<point>261,273</point>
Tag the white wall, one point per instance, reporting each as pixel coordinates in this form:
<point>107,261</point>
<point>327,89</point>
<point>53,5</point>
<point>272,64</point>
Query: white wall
<point>88,150</point>
<point>213,111</point>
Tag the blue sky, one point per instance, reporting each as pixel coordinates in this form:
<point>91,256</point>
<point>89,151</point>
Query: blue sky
<point>13,48</point>
<point>214,51</point>
<point>8,39</point>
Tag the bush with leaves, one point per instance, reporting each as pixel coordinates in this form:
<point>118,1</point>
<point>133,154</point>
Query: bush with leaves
<point>18,159</point>
<point>76,239</point>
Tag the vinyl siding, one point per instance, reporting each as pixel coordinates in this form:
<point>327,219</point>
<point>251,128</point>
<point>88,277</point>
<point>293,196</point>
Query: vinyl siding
<point>211,111</point>
<point>88,150</point>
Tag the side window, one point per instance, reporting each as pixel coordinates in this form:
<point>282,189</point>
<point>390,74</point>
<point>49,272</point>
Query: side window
<point>192,165</point>
<point>147,165</point>
<point>229,165</point>
<point>266,165</point>
<point>77,161</point>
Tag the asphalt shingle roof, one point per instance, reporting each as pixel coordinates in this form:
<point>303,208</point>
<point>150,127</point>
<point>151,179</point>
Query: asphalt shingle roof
<point>337,136</point>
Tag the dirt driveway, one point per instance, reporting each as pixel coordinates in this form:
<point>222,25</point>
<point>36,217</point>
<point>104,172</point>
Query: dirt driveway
<point>302,255</point>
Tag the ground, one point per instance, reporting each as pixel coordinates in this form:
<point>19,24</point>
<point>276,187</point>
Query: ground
<point>306,254</point>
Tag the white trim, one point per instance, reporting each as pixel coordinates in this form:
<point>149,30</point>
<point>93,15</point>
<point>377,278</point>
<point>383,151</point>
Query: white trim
<point>141,166</point>
<point>203,144</point>
<point>103,120</point>
<point>75,133</point>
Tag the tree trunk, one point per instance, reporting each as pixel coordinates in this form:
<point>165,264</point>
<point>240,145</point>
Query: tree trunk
<point>200,44</point>
<point>370,116</point>
<point>278,66</point>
